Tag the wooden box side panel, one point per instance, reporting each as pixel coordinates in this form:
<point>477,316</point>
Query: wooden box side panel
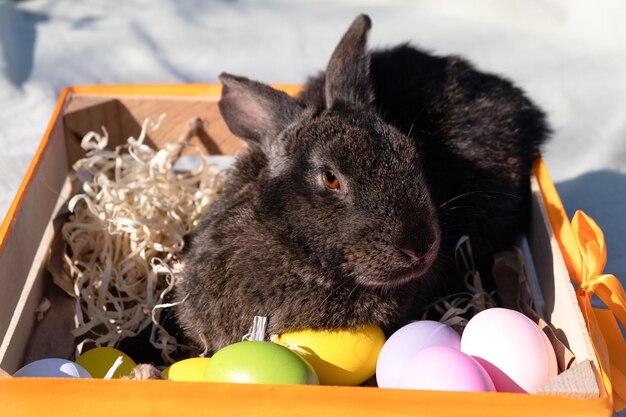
<point>123,117</point>
<point>23,258</point>
<point>558,293</point>
<point>62,397</point>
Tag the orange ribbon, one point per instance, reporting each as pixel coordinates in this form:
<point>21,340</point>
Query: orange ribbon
<point>584,252</point>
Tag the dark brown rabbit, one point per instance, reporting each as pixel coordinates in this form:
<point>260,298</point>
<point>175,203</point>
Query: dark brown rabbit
<point>346,207</point>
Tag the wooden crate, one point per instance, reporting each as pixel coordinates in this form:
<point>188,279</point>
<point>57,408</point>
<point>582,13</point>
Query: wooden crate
<point>28,230</point>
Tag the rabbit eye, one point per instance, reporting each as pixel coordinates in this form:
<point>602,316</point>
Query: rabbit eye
<point>330,180</point>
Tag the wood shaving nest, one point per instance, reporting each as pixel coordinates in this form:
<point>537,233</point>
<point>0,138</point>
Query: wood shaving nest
<point>455,309</point>
<point>126,232</point>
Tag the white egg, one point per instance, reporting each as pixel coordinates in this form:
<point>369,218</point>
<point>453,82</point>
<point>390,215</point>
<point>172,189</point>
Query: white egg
<point>514,351</point>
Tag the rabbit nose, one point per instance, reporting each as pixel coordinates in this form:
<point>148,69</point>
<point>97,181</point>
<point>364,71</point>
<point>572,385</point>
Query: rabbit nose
<point>411,253</point>
<point>416,241</point>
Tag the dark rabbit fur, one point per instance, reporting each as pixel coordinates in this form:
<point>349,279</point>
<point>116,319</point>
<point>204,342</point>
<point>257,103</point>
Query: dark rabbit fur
<point>424,149</point>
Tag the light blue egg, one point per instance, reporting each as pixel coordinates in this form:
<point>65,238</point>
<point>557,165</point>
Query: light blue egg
<point>53,368</point>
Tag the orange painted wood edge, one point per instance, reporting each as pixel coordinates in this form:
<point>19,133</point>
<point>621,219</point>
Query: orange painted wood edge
<point>190,90</point>
<point>63,397</point>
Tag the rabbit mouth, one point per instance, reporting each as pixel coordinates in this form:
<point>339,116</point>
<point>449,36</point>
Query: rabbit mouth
<point>399,277</point>
<point>417,270</point>
<point>391,265</point>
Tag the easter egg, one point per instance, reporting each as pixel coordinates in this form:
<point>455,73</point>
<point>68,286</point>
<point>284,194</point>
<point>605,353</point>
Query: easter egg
<point>442,368</point>
<point>339,357</point>
<point>405,343</point>
<point>99,360</point>
<point>192,369</point>
<point>53,368</point>
<point>259,362</point>
<point>513,350</point>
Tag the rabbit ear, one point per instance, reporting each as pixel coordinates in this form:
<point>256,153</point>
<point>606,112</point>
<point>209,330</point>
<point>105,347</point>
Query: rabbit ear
<point>348,72</point>
<point>255,111</point>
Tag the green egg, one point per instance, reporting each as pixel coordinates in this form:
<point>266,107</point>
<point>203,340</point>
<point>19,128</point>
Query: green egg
<point>259,362</point>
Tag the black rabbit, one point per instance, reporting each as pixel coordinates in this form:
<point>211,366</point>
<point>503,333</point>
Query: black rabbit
<point>347,206</point>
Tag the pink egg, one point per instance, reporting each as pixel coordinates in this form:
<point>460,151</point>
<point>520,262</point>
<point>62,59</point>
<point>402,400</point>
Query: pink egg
<point>442,368</point>
<point>407,341</point>
<point>513,350</point>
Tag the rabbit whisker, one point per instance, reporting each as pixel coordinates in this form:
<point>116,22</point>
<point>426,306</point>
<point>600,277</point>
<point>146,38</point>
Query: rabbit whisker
<point>484,193</point>
<point>460,207</point>
<point>411,128</point>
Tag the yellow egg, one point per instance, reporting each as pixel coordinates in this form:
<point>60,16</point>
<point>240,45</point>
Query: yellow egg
<point>339,357</point>
<point>99,360</point>
<point>192,369</point>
